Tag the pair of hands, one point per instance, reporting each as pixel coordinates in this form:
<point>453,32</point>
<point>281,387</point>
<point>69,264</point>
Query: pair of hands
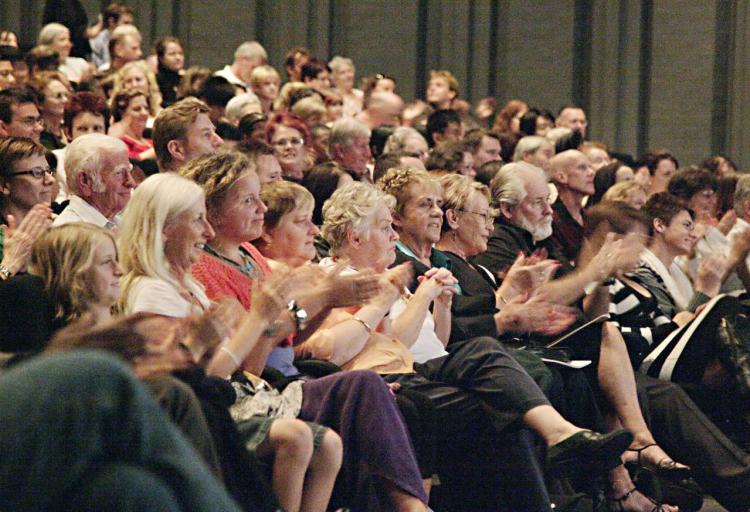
<point>617,255</point>
<point>19,239</point>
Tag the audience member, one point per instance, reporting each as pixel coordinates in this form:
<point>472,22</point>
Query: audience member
<point>381,109</point>
<point>444,125</point>
<point>573,117</point>
<point>19,114</point>
<point>57,36</point>
<point>343,79</point>
<point>661,165</point>
<point>290,139</point>
<point>114,15</point>
<point>183,132</point>
<point>8,55</point>
<point>349,146</point>
<point>171,61</point>
<point>53,91</point>
<point>265,82</point>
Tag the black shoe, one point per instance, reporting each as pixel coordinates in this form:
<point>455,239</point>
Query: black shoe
<point>587,452</point>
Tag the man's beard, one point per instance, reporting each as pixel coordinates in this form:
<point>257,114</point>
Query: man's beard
<point>540,231</point>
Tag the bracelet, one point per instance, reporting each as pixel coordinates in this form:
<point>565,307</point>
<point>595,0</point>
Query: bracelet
<point>231,355</point>
<point>502,299</point>
<point>5,272</point>
<point>364,324</point>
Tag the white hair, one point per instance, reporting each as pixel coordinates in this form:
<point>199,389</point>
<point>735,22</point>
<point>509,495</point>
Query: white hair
<point>124,30</point>
<point>396,142</point>
<point>154,204</point>
<point>557,133</point>
<point>250,50</point>
<point>339,62</point>
<point>237,104</point>
<point>509,186</point>
<point>86,154</point>
<point>528,144</point>
<point>345,130</point>
<point>351,208</point>
<point>49,32</point>
<point>741,194</point>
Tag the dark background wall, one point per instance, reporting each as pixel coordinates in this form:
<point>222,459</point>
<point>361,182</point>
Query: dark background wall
<point>668,73</point>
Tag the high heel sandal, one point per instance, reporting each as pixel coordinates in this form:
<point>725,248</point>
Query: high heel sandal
<point>666,468</point>
<point>620,502</point>
<point>666,481</point>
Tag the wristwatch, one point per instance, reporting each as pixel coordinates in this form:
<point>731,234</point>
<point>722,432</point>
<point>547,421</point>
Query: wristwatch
<point>299,314</point>
<point>5,272</point>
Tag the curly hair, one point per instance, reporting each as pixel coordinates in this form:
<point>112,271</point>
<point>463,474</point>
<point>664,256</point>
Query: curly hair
<point>398,181</point>
<point>121,100</point>
<point>216,174</point>
<point>153,95</point>
<point>63,257</point>
<point>351,208</point>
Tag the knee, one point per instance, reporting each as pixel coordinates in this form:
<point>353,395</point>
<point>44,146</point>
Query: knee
<point>293,438</point>
<point>331,452</point>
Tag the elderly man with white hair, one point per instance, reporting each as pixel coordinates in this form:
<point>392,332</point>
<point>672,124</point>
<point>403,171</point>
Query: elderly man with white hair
<point>247,57</point>
<point>349,145</point>
<point>241,105</point>
<point>99,180</point>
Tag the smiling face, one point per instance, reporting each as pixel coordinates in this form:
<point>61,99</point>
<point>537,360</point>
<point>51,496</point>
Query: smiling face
<point>240,216</point>
<point>678,235</point>
<point>174,57</point>
<point>25,121</point>
<point>86,122</point>
<point>289,148</point>
<point>136,115</point>
<point>422,216</point>
<point>136,79</point>
<point>377,245</point>
<point>26,191</point>
<point>292,240</point>
<point>185,235</point>
<point>55,97</point>
<point>104,275</point>
<point>109,192</point>
<point>704,204</point>
<point>63,44</point>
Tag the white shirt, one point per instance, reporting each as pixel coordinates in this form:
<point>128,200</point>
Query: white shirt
<point>62,179</point>
<point>79,210</point>
<point>153,295</point>
<point>231,77</point>
<point>740,226</point>
<point>74,68</point>
<point>428,345</point>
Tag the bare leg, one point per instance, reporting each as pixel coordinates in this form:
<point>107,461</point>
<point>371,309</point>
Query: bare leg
<point>621,485</point>
<point>321,475</point>
<point>549,424</point>
<point>290,444</point>
<point>617,381</point>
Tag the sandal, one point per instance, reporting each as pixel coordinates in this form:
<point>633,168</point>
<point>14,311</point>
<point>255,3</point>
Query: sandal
<point>666,468</point>
<point>667,481</point>
<point>620,502</point>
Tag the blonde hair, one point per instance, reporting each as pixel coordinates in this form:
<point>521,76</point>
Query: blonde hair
<point>63,257</point>
<point>262,73</point>
<point>216,174</point>
<point>457,190</point>
<point>154,93</point>
<point>448,77</point>
<point>49,32</point>
<point>351,208</point>
<point>154,204</point>
<point>172,123</point>
<point>397,182</point>
<point>309,107</point>
<point>282,197</point>
<point>285,95</point>
<point>621,191</point>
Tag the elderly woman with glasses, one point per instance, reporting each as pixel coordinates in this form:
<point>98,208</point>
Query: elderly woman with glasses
<point>290,138</point>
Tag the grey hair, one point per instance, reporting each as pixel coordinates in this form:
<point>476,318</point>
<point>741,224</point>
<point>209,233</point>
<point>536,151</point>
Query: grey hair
<point>397,140</point>
<point>49,32</point>
<point>250,49</point>
<point>345,130</point>
<point>508,186</point>
<point>338,61</point>
<point>528,144</point>
<point>86,153</point>
<point>237,104</point>
<point>351,208</point>
<point>741,193</point>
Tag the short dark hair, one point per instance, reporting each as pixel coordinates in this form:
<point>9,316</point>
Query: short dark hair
<point>690,181</point>
<point>527,124</point>
<point>473,138</point>
<point>13,149</point>
<point>664,206</point>
<point>322,180</point>
<point>385,162</point>
<point>487,171</point>
<point>10,53</point>
<point>114,12</point>
<point>569,105</point>
<point>85,102</point>
<point>620,216</point>
<point>292,53</point>
<point>216,91</point>
<point>312,68</point>
<point>446,156</point>
<point>652,158</point>
<point>248,122</point>
<point>439,121</point>
<point>43,58</point>
<point>14,96</point>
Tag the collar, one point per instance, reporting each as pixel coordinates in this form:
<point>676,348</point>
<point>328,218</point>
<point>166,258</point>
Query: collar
<point>81,210</point>
<point>437,258</point>
<point>501,223</point>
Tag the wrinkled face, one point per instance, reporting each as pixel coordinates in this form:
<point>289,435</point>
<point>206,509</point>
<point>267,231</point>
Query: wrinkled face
<point>343,77</point>
<point>466,167</point>
<point>137,111</point>
<point>7,77</point>
<point>384,85</point>
<point>378,242</point>
<point>55,97</point>
<point>488,151</point>
<point>86,122</point>
<point>439,92</point>
<point>422,216</point>
<point>201,138</point>
<point>579,175</point>
<point>637,198</point>
<point>136,79</point>
<point>25,121</point>
<point>104,275</point>
<point>679,235</point>
<point>543,125</point>
<point>63,44</point>
<point>240,216</point>
<point>292,238</point>
<point>417,147</point>
<point>541,156</point>
<point>356,155</point>
<point>534,213</point>
<point>267,90</point>
<point>624,173</point>
<point>112,192</point>
<point>268,169</point>
<point>664,171</point>
<point>704,203</point>
<point>174,57</point>
<point>185,235</point>
<point>573,118</point>
<point>25,191</point>
<point>289,148</point>
<point>598,158</point>
<point>474,224</point>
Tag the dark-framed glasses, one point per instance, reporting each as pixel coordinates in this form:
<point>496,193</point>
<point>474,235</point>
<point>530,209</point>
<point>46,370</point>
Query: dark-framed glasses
<point>37,172</point>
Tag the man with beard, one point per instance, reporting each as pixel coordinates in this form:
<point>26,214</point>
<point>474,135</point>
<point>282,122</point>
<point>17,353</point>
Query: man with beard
<point>574,178</point>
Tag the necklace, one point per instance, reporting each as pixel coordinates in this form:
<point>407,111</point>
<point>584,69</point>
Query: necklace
<point>247,267</point>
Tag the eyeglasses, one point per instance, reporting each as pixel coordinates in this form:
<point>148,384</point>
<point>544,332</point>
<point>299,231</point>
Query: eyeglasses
<point>294,141</point>
<point>37,172</point>
<point>31,121</point>
<point>486,217</point>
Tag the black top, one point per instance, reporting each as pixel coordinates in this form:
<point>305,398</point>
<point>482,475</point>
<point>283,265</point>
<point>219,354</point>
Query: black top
<point>168,81</point>
<point>26,314</point>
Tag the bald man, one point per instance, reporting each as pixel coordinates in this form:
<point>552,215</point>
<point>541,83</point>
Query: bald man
<point>574,177</point>
<point>573,117</point>
<point>382,109</point>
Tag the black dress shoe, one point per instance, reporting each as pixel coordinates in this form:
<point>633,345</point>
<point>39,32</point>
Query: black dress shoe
<point>587,452</point>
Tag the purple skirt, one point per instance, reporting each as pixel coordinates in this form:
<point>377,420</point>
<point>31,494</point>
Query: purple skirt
<point>359,407</point>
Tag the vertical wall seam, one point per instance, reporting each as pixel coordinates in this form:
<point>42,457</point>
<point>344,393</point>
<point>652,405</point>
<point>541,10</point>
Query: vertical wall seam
<point>723,53</point>
<point>644,76</point>
<point>421,68</point>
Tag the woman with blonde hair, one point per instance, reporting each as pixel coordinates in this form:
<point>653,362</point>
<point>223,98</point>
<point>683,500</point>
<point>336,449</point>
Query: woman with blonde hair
<point>57,36</point>
<point>137,75</point>
<point>342,76</point>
